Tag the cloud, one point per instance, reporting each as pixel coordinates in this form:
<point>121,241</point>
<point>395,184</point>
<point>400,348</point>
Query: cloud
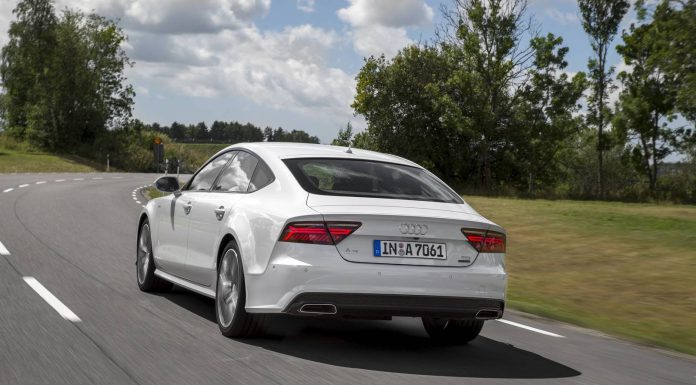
<point>213,49</point>
<point>381,26</point>
<point>283,70</point>
<point>306,5</point>
<point>176,16</point>
<point>564,18</point>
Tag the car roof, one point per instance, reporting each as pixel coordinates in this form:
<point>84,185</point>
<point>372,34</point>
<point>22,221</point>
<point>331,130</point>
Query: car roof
<point>287,150</point>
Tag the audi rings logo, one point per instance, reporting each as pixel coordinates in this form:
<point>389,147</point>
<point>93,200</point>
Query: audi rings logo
<point>413,229</point>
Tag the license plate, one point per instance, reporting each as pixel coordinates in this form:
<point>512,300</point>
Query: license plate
<point>409,249</point>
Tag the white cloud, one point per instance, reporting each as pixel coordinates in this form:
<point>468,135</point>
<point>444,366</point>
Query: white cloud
<point>565,18</point>
<point>176,16</point>
<point>213,49</point>
<point>306,5</point>
<point>380,26</point>
<point>283,70</point>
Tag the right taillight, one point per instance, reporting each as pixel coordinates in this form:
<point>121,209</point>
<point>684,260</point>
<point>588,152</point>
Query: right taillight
<point>319,233</point>
<point>485,241</point>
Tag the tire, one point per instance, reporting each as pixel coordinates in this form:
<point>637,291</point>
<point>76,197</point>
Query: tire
<point>230,298</point>
<point>145,264</point>
<point>452,331</point>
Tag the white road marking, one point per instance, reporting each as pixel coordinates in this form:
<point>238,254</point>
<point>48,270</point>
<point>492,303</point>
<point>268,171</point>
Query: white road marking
<point>97,178</point>
<point>117,177</point>
<point>60,180</point>
<point>7,190</point>
<point>530,328</point>
<point>79,179</point>
<point>3,250</point>
<point>135,199</point>
<point>138,202</point>
<point>52,300</point>
<point>41,182</point>
<point>23,185</point>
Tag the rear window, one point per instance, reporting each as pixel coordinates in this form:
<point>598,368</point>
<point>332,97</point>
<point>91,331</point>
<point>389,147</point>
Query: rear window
<point>364,178</point>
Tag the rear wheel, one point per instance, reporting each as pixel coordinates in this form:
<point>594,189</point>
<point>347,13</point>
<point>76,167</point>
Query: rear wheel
<point>230,298</point>
<point>452,331</point>
<point>145,265</point>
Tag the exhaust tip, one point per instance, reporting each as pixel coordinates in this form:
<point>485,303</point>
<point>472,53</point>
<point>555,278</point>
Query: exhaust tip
<point>318,308</point>
<point>485,314</point>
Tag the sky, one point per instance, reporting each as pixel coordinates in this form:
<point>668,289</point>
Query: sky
<point>287,63</point>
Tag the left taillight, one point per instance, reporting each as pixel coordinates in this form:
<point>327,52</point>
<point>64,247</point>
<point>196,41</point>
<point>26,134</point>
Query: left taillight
<point>485,241</point>
<point>318,233</point>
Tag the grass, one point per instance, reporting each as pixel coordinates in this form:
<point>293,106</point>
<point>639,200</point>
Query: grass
<point>624,269</point>
<point>152,193</point>
<point>12,161</point>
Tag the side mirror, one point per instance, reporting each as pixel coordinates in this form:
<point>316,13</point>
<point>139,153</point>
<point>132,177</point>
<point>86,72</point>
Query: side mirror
<point>167,184</point>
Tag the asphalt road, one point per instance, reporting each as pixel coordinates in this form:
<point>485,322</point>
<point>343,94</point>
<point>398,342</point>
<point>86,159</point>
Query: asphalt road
<point>75,235</point>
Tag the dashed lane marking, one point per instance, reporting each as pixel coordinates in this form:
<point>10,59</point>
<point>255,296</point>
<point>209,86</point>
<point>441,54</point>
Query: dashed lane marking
<point>3,250</point>
<point>41,182</point>
<point>23,185</point>
<point>79,179</point>
<point>7,190</point>
<point>51,299</point>
<point>60,180</point>
<point>544,332</point>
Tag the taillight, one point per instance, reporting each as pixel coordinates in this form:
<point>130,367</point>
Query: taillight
<point>320,233</point>
<point>485,241</point>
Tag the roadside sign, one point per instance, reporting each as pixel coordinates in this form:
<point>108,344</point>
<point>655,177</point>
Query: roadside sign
<point>158,150</point>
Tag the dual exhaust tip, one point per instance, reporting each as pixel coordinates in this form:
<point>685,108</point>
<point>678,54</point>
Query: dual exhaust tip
<point>330,309</point>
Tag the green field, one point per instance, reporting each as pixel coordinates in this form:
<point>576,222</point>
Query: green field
<point>625,269</point>
<point>12,161</point>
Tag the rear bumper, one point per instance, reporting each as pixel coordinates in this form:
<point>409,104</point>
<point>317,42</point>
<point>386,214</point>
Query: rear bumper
<point>295,276</point>
<point>387,305</point>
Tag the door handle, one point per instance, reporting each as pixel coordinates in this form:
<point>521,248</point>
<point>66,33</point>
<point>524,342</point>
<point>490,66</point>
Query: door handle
<point>187,208</point>
<point>220,212</point>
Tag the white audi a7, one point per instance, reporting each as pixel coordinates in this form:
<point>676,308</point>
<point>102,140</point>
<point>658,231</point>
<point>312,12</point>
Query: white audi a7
<point>323,231</point>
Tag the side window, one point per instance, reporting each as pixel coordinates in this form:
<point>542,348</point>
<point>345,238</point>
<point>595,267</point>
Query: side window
<point>205,178</point>
<point>237,174</point>
<point>262,177</point>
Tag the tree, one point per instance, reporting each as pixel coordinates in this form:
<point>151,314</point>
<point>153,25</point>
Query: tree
<point>398,98</point>
<point>177,131</point>
<point>648,102</point>
<point>490,62</point>
<point>674,46</point>
<point>600,19</point>
<point>25,67</point>
<point>64,76</point>
<point>344,137</point>
<point>544,120</point>
<point>201,132</point>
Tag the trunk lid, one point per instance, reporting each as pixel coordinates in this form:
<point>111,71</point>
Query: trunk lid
<point>404,224</point>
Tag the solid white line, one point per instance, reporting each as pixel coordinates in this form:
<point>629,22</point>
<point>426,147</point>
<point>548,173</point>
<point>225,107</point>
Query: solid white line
<point>42,182</point>
<point>52,300</point>
<point>8,190</point>
<point>3,250</point>
<point>530,328</point>
<point>60,180</point>
<point>23,185</point>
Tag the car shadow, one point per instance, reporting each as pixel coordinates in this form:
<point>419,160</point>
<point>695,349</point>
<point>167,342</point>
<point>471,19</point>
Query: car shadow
<point>398,346</point>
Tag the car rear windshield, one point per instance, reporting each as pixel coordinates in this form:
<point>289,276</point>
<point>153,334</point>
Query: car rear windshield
<point>364,178</point>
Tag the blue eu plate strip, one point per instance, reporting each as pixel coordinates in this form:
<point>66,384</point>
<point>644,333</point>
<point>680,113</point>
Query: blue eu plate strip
<point>377,246</point>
